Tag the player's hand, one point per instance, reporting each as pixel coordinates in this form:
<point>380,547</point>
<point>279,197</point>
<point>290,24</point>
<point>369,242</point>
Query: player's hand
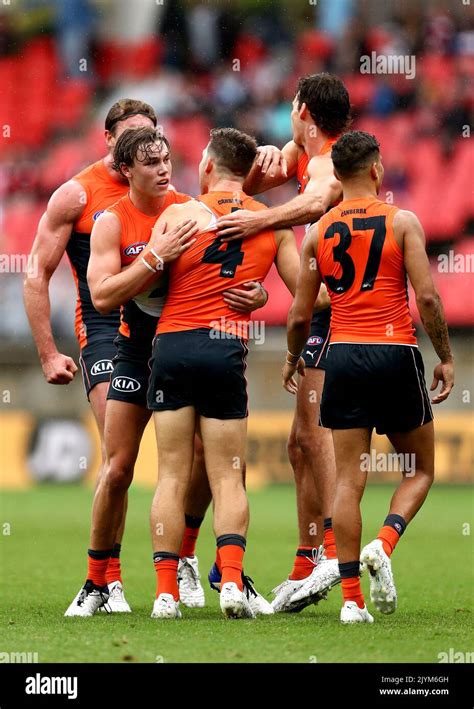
<point>245,301</point>
<point>240,225</point>
<point>270,159</point>
<point>59,369</point>
<point>171,244</point>
<point>288,375</point>
<point>444,373</point>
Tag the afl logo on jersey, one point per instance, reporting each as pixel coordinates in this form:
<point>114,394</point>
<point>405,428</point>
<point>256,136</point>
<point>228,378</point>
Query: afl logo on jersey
<point>97,214</point>
<point>135,249</point>
<point>125,384</point>
<point>315,340</point>
<point>103,366</point>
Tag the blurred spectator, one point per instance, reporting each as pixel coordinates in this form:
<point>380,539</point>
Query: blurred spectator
<point>75,21</point>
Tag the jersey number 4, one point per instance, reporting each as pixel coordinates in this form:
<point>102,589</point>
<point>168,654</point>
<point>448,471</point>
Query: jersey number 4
<point>230,258</point>
<point>340,255</point>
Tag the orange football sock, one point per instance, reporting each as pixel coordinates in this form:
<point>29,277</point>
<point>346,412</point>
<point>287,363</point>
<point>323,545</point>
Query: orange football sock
<point>114,571</point>
<point>389,537</point>
<point>351,591</point>
<point>167,577</point>
<point>218,561</point>
<point>97,567</point>
<point>188,546</point>
<point>231,559</point>
<point>303,564</point>
<point>329,544</point>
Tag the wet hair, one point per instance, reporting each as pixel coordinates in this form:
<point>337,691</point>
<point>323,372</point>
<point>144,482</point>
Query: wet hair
<point>327,100</point>
<point>135,140</point>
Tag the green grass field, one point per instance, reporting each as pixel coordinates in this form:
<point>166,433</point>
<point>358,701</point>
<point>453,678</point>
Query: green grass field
<point>43,562</point>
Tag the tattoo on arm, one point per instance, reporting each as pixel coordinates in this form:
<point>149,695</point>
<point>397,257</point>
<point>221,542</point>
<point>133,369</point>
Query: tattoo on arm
<point>437,331</point>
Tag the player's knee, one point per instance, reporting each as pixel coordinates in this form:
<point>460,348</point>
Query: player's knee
<point>118,475</point>
<point>424,475</point>
<point>348,492</point>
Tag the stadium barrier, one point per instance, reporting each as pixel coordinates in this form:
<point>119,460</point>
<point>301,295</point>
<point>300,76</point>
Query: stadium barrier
<point>61,450</point>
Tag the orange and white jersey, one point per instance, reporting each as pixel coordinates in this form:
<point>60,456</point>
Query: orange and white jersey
<point>136,229</point>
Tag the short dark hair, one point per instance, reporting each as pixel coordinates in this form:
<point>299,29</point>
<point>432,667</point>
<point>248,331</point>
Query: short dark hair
<point>328,102</point>
<point>233,150</point>
<point>353,152</point>
<point>134,139</point>
<point>125,108</point>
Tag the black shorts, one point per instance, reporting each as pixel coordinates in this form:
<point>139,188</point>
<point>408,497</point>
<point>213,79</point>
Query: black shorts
<point>375,386</point>
<point>315,349</point>
<point>191,368</point>
<point>96,362</point>
<point>131,371</point>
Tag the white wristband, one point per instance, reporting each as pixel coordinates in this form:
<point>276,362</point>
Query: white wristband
<point>150,268</point>
<point>161,264</point>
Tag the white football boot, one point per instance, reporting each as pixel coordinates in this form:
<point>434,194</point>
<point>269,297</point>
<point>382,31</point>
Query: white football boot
<point>351,613</point>
<point>89,599</point>
<point>165,607</point>
<point>234,603</point>
<point>283,593</point>
<point>117,601</point>
<point>324,576</point>
<point>258,604</point>
<point>383,593</point>
<point>191,592</point>
<point>285,590</point>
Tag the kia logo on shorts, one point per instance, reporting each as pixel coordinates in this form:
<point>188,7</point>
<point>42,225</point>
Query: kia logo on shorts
<point>103,366</point>
<point>315,340</point>
<point>97,214</point>
<point>125,384</point>
<point>135,249</point>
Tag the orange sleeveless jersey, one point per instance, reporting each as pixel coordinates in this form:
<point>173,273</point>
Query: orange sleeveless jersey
<point>199,277</point>
<point>136,233</point>
<point>362,267</point>
<point>100,191</point>
<point>136,226</point>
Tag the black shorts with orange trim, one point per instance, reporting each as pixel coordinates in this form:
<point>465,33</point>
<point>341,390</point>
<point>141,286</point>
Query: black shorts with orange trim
<point>96,360</point>
<point>315,349</point>
<point>201,368</point>
<point>375,386</point>
<point>131,369</point>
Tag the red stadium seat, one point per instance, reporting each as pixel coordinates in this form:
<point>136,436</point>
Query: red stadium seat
<point>66,159</point>
<point>74,97</point>
<point>20,222</point>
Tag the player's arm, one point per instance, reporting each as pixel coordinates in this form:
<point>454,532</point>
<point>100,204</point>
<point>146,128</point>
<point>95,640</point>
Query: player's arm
<point>54,231</point>
<point>322,190</point>
<point>111,286</point>
<point>299,316</point>
<point>272,167</point>
<point>430,307</point>
<point>287,260</point>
